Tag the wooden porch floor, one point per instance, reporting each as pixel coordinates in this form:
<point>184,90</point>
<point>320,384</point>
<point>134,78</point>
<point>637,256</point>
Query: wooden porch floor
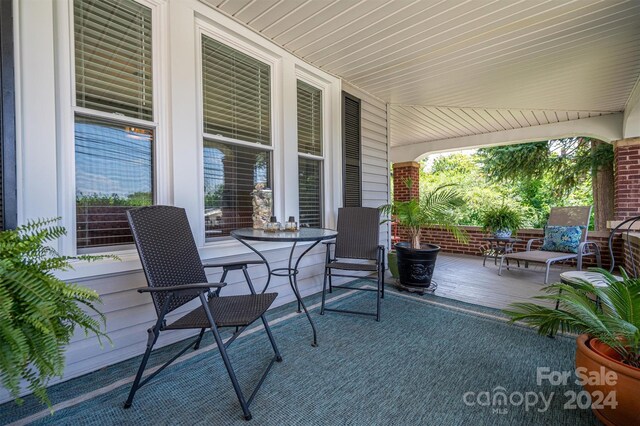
<point>464,278</point>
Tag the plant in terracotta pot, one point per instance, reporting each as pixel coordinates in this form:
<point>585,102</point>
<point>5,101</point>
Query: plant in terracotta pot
<point>39,313</point>
<point>609,339</point>
<point>501,221</point>
<point>416,260</point>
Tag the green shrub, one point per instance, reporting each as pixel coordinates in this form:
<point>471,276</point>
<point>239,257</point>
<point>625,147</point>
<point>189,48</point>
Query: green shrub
<point>39,312</point>
<point>501,218</point>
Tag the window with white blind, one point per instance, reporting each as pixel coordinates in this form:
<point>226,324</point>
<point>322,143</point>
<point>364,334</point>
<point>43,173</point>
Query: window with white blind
<point>114,119</point>
<point>236,93</point>
<point>310,154</point>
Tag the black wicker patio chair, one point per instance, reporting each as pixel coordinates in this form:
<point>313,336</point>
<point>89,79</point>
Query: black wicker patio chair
<point>358,235</point>
<point>175,276</point>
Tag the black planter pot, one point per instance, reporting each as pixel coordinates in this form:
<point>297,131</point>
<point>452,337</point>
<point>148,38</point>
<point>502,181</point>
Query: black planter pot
<point>416,265</point>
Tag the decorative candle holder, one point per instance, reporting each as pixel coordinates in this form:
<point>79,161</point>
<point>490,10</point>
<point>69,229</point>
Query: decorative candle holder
<point>291,225</point>
<point>273,225</point>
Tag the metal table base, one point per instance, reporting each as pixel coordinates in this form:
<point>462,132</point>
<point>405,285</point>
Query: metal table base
<point>315,236</point>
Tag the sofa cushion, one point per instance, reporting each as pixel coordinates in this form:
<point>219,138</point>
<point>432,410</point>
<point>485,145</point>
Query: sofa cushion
<point>565,239</point>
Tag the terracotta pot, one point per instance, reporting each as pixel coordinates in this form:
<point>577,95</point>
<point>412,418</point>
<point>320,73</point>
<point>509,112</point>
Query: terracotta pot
<point>626,387</point>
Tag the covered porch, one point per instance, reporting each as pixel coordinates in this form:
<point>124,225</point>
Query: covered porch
<point>112,105</point>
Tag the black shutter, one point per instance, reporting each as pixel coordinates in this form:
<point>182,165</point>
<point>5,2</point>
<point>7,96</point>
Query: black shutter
<point>351,151</point>
<point>8,194</point>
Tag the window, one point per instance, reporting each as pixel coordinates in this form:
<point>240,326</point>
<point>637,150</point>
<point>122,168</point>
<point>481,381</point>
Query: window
<point>236,93</point>
<point>351,151</point>
<point>310,154</point>
<point>114,119</point>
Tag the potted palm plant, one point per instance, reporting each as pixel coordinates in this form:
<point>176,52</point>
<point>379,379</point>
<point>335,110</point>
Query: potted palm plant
<point>608,347</point>
<point>501,221</point>
<point>416,260</point>
<point>39,313</point>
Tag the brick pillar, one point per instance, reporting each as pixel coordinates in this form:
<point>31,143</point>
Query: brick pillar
<point>402,172</point>
<point>626,178</point>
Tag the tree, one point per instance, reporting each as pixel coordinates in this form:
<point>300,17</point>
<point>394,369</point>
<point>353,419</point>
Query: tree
<point>564,164</point>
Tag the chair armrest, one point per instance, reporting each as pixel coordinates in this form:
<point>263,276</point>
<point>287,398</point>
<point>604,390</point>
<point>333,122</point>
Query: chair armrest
<point>232,264</point>
<point>531,241</point>
<point>584,246</point>
<point>198,288</point>
<point>328,243</point>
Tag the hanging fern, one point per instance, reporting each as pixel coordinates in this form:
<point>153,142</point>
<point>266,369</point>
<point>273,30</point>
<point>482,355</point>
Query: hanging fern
<point>39,313</point>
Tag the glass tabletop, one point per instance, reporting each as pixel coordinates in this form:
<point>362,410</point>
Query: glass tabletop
<point>303,234</point>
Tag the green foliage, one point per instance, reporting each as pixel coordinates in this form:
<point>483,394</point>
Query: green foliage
<point>565,163</point>
<point>501,218</point>
<point>434,209</point>
<point>136,199</point>
<point>38,312</point>
<point>531,197</point>
<point>617,323</point>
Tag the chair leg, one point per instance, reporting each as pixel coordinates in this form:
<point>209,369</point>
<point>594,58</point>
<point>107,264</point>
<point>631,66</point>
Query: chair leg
<point>383,272</point>
<point>248,279</point>
<point>197,345</point>
<point>324,290</point>
<point>558,300</point>
<point>500,267</point>
<point>271,339</point>
<point>546,274</point>
<point>379,293</point>
<point>262,317</point>
<point>152,337</point>
<point>151,340</point>
<point>225,271</point>
<point>226,360</point>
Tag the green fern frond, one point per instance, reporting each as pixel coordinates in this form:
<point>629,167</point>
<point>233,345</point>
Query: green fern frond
<point>39,313</point>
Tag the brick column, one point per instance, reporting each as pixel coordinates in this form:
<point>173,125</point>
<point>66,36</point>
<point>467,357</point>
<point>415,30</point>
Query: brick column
<point>626,178</point>
<point>402,172</point>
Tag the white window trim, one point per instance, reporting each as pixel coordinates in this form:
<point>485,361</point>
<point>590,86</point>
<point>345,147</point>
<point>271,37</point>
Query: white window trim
<point>67,110</point>
<point>235,41</point>
<point>328,141</point>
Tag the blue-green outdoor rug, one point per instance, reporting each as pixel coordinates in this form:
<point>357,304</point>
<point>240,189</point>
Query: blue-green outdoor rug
<point>431,361</point>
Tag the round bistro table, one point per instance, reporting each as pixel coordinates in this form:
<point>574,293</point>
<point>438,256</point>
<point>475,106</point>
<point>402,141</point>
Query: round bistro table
<point>313,235</point>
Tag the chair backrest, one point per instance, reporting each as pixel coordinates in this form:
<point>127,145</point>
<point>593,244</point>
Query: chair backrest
<point>167,250</point>
<point>571,216</point>
<point>358,233</point>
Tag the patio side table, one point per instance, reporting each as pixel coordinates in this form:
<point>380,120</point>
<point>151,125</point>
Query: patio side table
<point>498,247</point>
<point>313,235</point>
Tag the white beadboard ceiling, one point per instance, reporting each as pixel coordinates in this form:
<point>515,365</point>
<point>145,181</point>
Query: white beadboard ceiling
<point>461,67</point>
<point>412,124</point>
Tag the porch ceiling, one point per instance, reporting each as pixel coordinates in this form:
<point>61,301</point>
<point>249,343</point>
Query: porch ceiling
<point>470,66</point>
<point>413,124</point>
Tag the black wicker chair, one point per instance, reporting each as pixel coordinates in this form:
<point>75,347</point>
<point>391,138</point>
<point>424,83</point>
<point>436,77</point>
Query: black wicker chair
<point>358,235</point>
<point>175,275</point>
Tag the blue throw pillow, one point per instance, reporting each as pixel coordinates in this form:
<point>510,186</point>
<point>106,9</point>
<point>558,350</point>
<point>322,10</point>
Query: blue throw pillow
<point>565,239</point>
